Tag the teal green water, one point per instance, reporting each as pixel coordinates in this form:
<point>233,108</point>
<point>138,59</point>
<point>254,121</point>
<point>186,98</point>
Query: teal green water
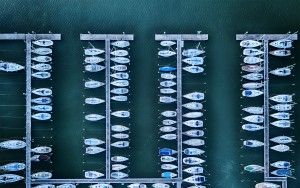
<point>220,19</point>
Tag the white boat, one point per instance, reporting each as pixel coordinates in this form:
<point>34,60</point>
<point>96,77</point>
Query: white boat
<point>281,164</point>
<point>266,185</point>
<point>42,59</point>
<point>194,60</point>
<point>254,118</point>
<point>119,68</point>
<point>120,144</point>
<point>93,60</point>
<point>160,185</point>
<point>194,142</point>
<point>92,84</point>
<point>41,75</point>
<point>194,133</point>
<point>167,43</point>
<point>120,98</point>
<point>193,69</point>
<point>93,150</point>
<point>41,100</point>
<point>168,122</point>
<point>66,185</point>
<point>280,53</point>
<point>93,100</point>
<point>254,110</point>
<point>120,75</point>
<point>119,159</point>
<point>119,53</point>
<point>10,178</point>
<point>42,51</point>
<point>193,151</point>
<point>41,67</point>
<point>120,83</point>
<point>194,170</point>
<point>41,150</point>
<point>166,53</point>
<point>252,127</point>
<point>94,117</point>
<point>169,136</point>
<point>252,52</point>
<point>43,42</point>
<point>250,43</point>
<point>137,185</point>
<point>120,60</point>
<point>10,67</point>
<point>252,143</point>
<point>118,167</point>
<point>93,142</point>
<point>101,185</point>
<point>41,116</point>
<point>280,148</point>
<point>119,128</point>
<point>282,107</point>
<point>167,129</point>
<point>283,43</point>
<point>192,52</point>
<point>42,92</point>
<point>13,167</point>
<point>283,98</point>
<point>119,91</point>
<point>195,179</point>
<point>93,51</point>
<point>253,76</point>
<point>42,175</point>
<point>121,43</point>
<point>254,168</point>
<point>194,123</point>
<point>282,123</point>
<point>193,105</point>
<point>42,108</point>
<point>121,114</point>
<point>94,68</point>
<point>13,144</point>
<point>253,85</point>
<point>193,115</point>
<point>282,139</point>
<point>167,91</point>
<point>92,174</point>
<point>192,160</point>
<point>118,175</point>
<point>167,159</point>
<point>252,68</point>
<point>46,186</point>
<point>196,96</point>
<point>165,99</point>
<point>169,113</point>
<point>281,115</point>
<point>284,71</point>
<point>168,167</point>
<point>251,93</point>
<point>252,60</point>
<point>120,135</point>
<point>167,83</point>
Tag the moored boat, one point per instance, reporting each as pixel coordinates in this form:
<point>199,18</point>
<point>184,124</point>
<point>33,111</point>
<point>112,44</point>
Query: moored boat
<point>167,152</point>
<point>167,90</point>
<point>119,159</point>
<point>165,99</point>
<point>119,128</point>
<point>280,148</point>
<point>167,159</point>
<point>168,175</point>
<point>252,68</point>
<point>252,127</point>
<point>168,122</point>
<point>193,105</point>
<point>120,75</point>
<point>42,108</point>
<point>93,68</point>
<point>92,174</point>
<point>193,69</point>
<point>121,114</point>
<point>43,42</point>
<point>282,139</point>
<point>94,117</point>
<point>166,53</point>
<point>119,53</point>
<point>195,179</point>
<point>41,100</point>
<point>93,60</point>
<point>93,150</point>
<point>250,43</point>
<point>42,92</point>
<point>281,115</point>
<point>41,75</point>
<point>167,129</point>
<point>168,167</point>
<point>168,76</point>
<point>194,133</point>
<point>119,68</point>
<point>169,113</point>
<point>282,43</point>
<point>282,98</point>
<point>281,164</point>
<point>93,142</point>
<point>118,167</point>
<point>167,43</point>
<point>254,110</point>
<point>282,123</point>
<point>253,143</point>
<point>253,76</point>
<point>93,100</point>
<point>41,67</point>
<point>194,170</point>
<point>120,135</point>
<point>120,98</point>
<point>281,53</point>
<point>169,136</point>
<point>192,52</point>
<point>167,69</point>
<point>92,84</point>
<point>101,185</point>
<point>120,144</point>
<point>120,91</point>
<point>254,168</point>
<point>120,83</point>
<point>251,93</point>
<point>42,51</point>
<point>252,60</point>
<point>194,123</point>
<point>121,43</point>
<point>42,175</point>
<point>284,71</point>
<point>252,52</point>
<point>13,167</point>
<point>254,118</point>
<point>41,116</point>
<point>193,115</point>
<point>194,142</point>
<point>196,96</point>
<point>10,178</point>
<point>253,85</point>
<point>10,67</point>
<point>282,172</point>
<point>12,144</point>
<point>193,151</point>
<point>42,150</point>
<point>120,60</point>
<point>119,175</point>
<point>42,59</point>
<point>266,185</point>
<point>93,51</point>
<point>160,185</point>
<point>194,60</point>
<point>192,160</point>
<point>282,107</point>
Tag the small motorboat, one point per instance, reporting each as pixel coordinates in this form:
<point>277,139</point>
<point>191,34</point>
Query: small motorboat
<point>281,115</point>
<point>137,185</point>
<point>195,179</point>
<point>119,53</point>
<point>93,51</point>
<point>192,161</point>
<point>193,69</point>
<point>66,185</point>
<point>254,168</point>
<point>42,59</point>
<point>283,98</point>
<point>284,71</point>
<point>196,96</point>
<point>119,91</point>
<point>120,98</point>
<point>167,129</point>
<point>42,175</point>
<point>281,164</point>
<point>194,133</point>
<point>160,185</point>
<point>194,123</point>
<point>119,159</point>
<point>10,178</point>
<point>41,150</point>
<point>253,143</point>
<point>194,60</point>
<point>120,75</point>
<point>41,116</point>
<point>120,60</point>
<point>41,100</point>
<point>194,170</point>
<point>121,43</point>
<point>167,83</point>
<point>101,185</point>
<point>118,167</point>
<point>282,123</point>
<point>282,107</point>
<point>167,76</point>
<point>165,99</point>
<point>166,53</point>
<point>193,105</point>
<point>192,52</point>
<point>41,75</point>
<point>13,167</point>
<point>42,108</point>
<point>193,115</point>
<point>253,85</point>
<point>194,142</point>
<point>168,167</point>
<point>282,43</point>
<point>119,68</point>
<point>93,68</point>
<point>252,127</point>
<point>167,152</point>
<point>93,100</point>
<point>193,151</point>
<point>168,175</point>
<point>281,53</point>
<point>254,118</point>
<point>92,84</point>
<point>253,76</point>
<point>48,186</point>
<point>120,144</point>
<point>168,122</point>
<point>92,174</point>
<point>42,92</point>
<point>169,113</point>
<point>282,139</point>
<point>169,136</point>
<point>10,67</point>
<point>267,185</point>
<point>252,93</point>
<point>41,51</point>
<point>93,142</point>
<point>94,117</point>
<point>39,158</point>
<point>41,67</point>
<point>280,148</point>
<point>120,83</point>
<point>167,43</point>
<point>119,175</point>
<point>282,172</point>
<point>252,52</point>
<point>43,42</point>
<point>119,128</point>
<point>93,150</point>
<point>167,90</point>
<point>250,43</point>
<point>254,110</point>
<point>252,60</point>
<point>167,159</point>
<point>167,69</point>
<point>252,68</point>
<point>93,60</point>
<point>121,114</point>
<point>120,135</point>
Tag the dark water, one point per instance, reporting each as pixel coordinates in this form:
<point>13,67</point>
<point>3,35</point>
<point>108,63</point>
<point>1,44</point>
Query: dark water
<point>220,19</point>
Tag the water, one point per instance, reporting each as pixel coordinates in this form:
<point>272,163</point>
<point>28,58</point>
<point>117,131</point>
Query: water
<point>220,19</point>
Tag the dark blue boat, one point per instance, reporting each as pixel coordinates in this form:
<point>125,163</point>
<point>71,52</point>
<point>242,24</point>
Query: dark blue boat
<point>282,172</point>
<point>166,152</point>
<point>167,69</point>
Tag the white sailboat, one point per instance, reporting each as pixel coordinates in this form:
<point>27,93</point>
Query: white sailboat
<point>253,76</point>
<point>119,159</point>
<point>194,133</point>
<point>252,143</point>
<point>41,67</point>
<point>193,69</point>
<point>167,90</point>
<point>120,83</point>
<point>250,43</point>
<point>120,135</point>
<point>93,150</point>
<point>120,75</point>
<point>43,42</point>
<point>119,53</point>
<point>193,105</point>
<point>167,43</point>
<point>267,185</point>
<point>93,51</point>
<point>281,164</point>
<point>254,110</point>
<point>93,100</point>
<point>281,115</point>
<point>93,59</point>
<point>253,85</point>
<point>41,100</point>
<point>282,139</point>
<point>120,144</point>
<point>169,136</point>
<point>94,117</point>
<point>194,123</point>
<point>282,123</point>
<point>192,52</point>
<point>119,128</point>
<point>252,52</point>
<point>92,174</point>
<point>196,96</point>
<point>166,53</point>
<point>121,114</point>
<point>165,99</point>
<point>160,185</point>
<point>193,115</point>
<point>92,84</point>
<point>280,148</point>
<point>252,68</point>
<point>192,161</point>
<point>10,178</point>
<point>41,150</point>
<point>119,68</point>
<point>41,116</point>
<point>282,107</point>
<point>42,175</point>
<point>119,91</point>
<point>194,142</point>
<point>118,167</point>
<point>167,83</point>
<point>13,167</point>
<point>167,129</point>
<point>254,118</point>
<point>251,93</point>
<point>167,159</point>
<point>66,185</point>
<point>283,43</point>
<point>194,170</point>
<point>283,98</point>
<point>41,75</point>
<point>120,98</point>
<point>119,175</point>
<point>168,76</point>
<point>120,60</point>
<point>13,144</point>
<point>252,127</point>
<point>194,60</point>
<point>42,59</point>
<point>281,53</point>
<point>121,43</point>
<point>169,113</point>
<point>168,122</point>
<point>42,51</point>
<point>42,108</point>
<point>46,186</point>
<point>93,68</point>
<point>193,151</point>
<point>42,92</point>
<point>284,71</point>
<point>93,141</point>
<point>10,67</point>
<point>252,60</point>
<point>101,185</point>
